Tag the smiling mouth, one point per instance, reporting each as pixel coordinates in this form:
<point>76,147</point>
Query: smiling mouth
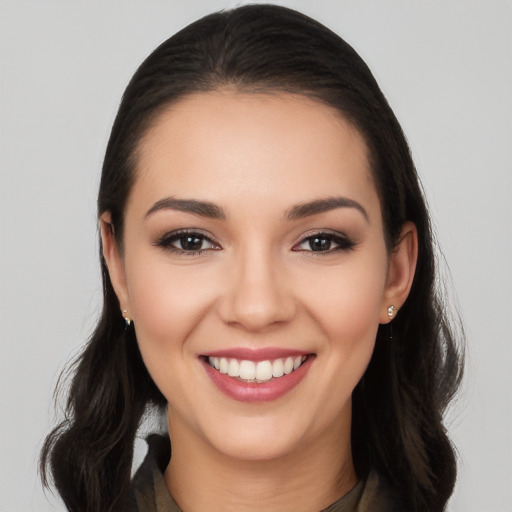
<point>256,372</point>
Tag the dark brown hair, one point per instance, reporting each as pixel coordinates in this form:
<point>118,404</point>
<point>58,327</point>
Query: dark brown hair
<point>398,405</point>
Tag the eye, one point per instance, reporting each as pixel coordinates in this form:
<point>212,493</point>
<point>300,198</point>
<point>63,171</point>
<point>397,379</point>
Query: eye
<point>325,242</point>
<point>186,242</point>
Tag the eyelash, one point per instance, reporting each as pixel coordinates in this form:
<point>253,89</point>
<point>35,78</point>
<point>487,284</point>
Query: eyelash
<point>343,242</point>
<point>165,242</point>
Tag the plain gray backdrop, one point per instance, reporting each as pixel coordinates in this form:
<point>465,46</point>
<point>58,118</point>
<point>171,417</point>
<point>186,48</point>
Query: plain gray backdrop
<point>445,67</point>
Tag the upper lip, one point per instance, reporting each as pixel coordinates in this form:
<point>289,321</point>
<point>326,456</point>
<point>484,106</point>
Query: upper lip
<point>256,354</point>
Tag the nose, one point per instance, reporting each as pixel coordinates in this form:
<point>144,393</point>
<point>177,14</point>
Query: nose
<point>259,293</point>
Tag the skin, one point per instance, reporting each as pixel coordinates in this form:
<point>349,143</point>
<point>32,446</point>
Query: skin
<point>257,284</point>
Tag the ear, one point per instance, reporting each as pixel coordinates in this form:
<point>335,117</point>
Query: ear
<point>114,261</point>
<point>402,265</point>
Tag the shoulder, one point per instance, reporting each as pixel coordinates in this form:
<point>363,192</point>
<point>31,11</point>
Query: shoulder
<point>379,496</point>
<point>371,495</point>
<point>148,490</point>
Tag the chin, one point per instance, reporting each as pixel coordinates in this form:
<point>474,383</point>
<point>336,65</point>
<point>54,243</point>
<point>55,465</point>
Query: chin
<point>256,439</point>
<point>256,449</point>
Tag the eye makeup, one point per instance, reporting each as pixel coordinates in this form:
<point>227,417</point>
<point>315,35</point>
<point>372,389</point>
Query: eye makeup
<point>186,242</point>
<point>323,242</point>
<point>195,242</point>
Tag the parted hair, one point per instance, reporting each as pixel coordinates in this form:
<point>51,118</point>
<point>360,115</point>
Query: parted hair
<point>399,404</point>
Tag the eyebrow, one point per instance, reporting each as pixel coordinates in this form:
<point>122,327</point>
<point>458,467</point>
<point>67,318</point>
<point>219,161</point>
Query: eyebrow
<point>202,208</point>
<point>298,211</point>
<point>316,206</point>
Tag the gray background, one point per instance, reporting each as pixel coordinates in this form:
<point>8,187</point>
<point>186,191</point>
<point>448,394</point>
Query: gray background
<point>446,69</point>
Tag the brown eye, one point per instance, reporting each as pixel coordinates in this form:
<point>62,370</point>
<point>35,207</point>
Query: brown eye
<point>319,244</point>
<point>190,243</point>
<point>186,242</point>
<point>325,243</point>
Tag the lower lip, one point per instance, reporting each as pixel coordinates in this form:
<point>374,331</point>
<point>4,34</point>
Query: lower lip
<point>257,392</point>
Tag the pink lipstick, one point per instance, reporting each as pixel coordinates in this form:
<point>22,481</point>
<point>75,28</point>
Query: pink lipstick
<point>256,375</point>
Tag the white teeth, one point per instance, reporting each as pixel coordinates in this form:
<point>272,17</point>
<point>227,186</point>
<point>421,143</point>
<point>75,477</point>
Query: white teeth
<point>288,365</point>
<point>234,368</point>
<point>262,371</point>
<point>247,370</point>
<point>277,368</point>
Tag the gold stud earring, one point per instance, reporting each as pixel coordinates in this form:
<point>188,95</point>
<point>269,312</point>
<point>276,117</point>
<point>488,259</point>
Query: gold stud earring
<point>127,319</point>
<point>391,312</point>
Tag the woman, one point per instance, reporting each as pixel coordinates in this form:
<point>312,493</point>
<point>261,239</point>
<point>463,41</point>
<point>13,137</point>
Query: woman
<point>269,279</point>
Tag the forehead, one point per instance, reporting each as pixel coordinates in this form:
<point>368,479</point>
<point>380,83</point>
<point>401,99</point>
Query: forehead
<point>258,145</point>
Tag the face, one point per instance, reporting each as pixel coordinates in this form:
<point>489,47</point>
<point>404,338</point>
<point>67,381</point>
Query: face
<point>255,270</point>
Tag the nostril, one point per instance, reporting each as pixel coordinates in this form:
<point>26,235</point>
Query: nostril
<point>255,297</point>
<point>255,313</point>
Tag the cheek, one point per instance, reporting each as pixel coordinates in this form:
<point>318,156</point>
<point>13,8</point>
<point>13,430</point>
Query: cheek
<point>349,302</point>
<point>168,304</point>
<point>348,310</point>
<point>167,301</point>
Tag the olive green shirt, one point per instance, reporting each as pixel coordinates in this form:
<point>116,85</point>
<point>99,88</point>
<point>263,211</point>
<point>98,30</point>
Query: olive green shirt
<point>150,494</point>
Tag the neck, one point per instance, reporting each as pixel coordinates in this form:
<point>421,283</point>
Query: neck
<point>200,477</point>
